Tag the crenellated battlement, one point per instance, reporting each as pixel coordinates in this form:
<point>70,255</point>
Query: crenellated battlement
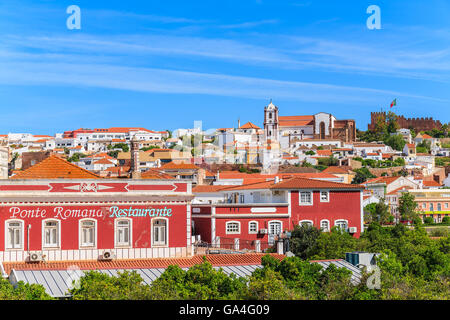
<point>418,124</point>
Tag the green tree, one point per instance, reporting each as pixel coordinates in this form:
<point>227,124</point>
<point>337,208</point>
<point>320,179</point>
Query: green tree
<point>396,142</point>
<point>22,291</point>
<point>94,285</point>
<point>303,240</point>
<point>407,206</point>
<point>362,175</point>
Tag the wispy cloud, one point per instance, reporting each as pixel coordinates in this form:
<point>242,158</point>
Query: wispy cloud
<point>181,82</point>
<point>246,25</point>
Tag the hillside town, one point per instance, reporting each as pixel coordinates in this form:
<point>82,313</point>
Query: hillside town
<point>109,195</point>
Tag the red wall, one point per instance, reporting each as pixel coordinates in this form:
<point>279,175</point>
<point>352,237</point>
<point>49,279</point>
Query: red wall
<point>69,227</point>
<point>343,205</point>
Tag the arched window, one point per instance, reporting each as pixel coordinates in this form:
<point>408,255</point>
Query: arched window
<point>270,115</point>
<point>233,227</point>
<point>325,225</point>
<point>123,232</point>
<point>341,224</point>
<point>51,233</point>
<point>439,207</point>
<point>87,233</point>
<point>322,130</point>
<point>306,223</point>
<point>253,227</point>
<point>159,232</point>
<point>431,207</point>
<point>14,234</point>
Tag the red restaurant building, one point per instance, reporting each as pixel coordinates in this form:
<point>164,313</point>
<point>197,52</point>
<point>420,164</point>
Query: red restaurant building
<point>86,216</point>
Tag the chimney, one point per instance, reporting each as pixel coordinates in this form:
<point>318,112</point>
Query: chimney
<point>239,123</point>
<point>135,172</point>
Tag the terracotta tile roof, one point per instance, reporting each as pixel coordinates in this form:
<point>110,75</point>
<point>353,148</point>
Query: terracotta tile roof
<point>208,188</point>
<point>301,183</point>
<point>387,180</point>
<point>251,186</point>
<point>214,259</point>
<point>431,183</point>
<point>174,165</point>
<point>295,121</point>
<point>324,152</point>
<point>404,188</point>
<point>155,174</point>
<point>103,161</point>
<point>425,136</point>
<point>55,167</point>
<point>410,145</point>
<point>249,125</point>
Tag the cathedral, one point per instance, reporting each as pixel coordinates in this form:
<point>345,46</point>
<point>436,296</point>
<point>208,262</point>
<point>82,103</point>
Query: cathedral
<point>322,126</point>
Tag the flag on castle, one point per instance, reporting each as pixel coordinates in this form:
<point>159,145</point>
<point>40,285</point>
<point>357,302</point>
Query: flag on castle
<point>394,103</point>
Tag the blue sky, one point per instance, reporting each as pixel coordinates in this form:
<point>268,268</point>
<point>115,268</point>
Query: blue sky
<point>164,64</point>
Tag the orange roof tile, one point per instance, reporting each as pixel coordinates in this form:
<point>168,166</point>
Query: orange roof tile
<point>431,183</point>
<point>387,180</point>
<point>155,174</point>
<point>295,121</point>
<point>302,183</point>
<point>324,152</point>
<point>216,260</point>
<point>174,165</point>
<point>55,167</point>
<point>208,188</point>
<point>249,125</point>
<point>103,161</point>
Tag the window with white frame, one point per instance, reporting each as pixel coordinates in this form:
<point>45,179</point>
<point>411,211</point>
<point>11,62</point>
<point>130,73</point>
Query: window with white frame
<point>160,232</point>
<point>342,224</point>
<point>325,225</point>
<point>274,227</point>
<point>51,234</point>
<point>14,232</point>
<point>306,223</point>
<point>123,232</point>
<point>424,205</point>
<point>306,198</point>
<point>233,227</point>
<point>253,227</point>
<point>324,196</point>
<point>87,233</point>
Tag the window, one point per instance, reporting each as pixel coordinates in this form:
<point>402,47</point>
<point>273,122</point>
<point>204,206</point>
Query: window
<point>274,227</point>
<point>324,196</point>
<point>241,198</point>
<point>160,232</point>
<point>446,205</point>
<point>14,235</point>
<point>87,233</point>
<point>123,232</point>
<point>233,228</point>
<point>325,225</point>
<point>342,224</point>
<point>439,207</point>
<point>51,234</point>
<point>253,227</point>
<point>306,198</point>
<point>306,223</point>
<point>424,205</point>
<point>431,207</point>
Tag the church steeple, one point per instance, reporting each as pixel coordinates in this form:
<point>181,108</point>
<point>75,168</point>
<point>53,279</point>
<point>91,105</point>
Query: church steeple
<point>271,122</point>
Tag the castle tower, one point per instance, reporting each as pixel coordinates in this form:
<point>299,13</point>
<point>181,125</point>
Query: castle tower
<point>135,172</point>
<point>271,122</point>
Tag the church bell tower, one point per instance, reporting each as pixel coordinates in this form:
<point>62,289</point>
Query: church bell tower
<point>271,122</point>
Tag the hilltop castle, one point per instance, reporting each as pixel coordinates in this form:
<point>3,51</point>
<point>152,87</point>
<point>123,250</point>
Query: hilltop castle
<point>418,124</point>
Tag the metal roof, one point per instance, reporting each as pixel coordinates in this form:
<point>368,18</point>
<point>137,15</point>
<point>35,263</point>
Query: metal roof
<point>57,282</point>
<point>356,272</point>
